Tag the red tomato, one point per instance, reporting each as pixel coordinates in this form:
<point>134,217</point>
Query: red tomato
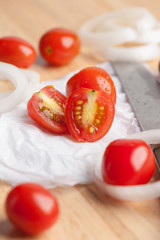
<point>31,208</point>
<point>93,78</point>
<point>59,46</point>
<point>128,162</point>
<point>47,108</point>
<point>89,114</point>
<point>16,51</point>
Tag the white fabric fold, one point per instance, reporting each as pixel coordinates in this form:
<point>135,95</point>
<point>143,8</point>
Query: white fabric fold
<point>29,153</point>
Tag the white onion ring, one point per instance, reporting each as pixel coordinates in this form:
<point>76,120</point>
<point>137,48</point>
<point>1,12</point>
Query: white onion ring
<point>13,74</point>
<point>101,33</point>
<point>130,193</point>
<point>25,81</point>
<point>140,53</point>
<point>92,39</point>
<point>134,17</point>
<point>33,82</point>
<point>152,35</point>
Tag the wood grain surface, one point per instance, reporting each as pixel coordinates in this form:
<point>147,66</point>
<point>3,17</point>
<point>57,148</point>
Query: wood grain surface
<point>85,213</point>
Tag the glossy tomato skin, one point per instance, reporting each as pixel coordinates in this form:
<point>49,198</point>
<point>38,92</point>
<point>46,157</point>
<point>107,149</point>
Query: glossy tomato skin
<point>16,51</point>
<point>93,78</point>
<point>128,162</point>
<point>31,208</point>
<point>59,46</point>
<point>42,113</point>
<point>89,114</point>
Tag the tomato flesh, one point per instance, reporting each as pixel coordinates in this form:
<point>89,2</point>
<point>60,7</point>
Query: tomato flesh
<point>59,46</point>
<point>31,208</point>
<point>89,114</point>
<point>16,51</point>
<point>128,162</point>
<point>92,78</point>
<point>47,108</point>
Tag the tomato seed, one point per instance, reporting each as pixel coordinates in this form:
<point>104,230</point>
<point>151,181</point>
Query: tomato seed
<point>91,130</point>
<point>79,102</point>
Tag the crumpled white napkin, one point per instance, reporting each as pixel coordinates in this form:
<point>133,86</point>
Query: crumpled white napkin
<point>29,153</point>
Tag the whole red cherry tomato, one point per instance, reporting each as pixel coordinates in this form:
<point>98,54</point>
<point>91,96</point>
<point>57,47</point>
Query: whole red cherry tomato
<point>59,46</point>
<point>93,78</point>
<point>16,51</point>
<point>89,114</point>
<point>31,208</point>
<point>128,162</point>
<point>47,108</point>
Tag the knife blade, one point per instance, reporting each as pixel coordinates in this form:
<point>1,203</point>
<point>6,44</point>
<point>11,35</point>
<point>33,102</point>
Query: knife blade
<point>143,93</point>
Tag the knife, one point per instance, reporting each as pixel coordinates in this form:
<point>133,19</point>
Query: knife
<point>143,93</point>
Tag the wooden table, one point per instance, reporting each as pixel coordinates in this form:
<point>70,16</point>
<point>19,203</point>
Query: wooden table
<point>85,213</point>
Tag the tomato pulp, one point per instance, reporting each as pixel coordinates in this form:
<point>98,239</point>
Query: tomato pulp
<point>89,114</point>
<point>16,51</point>
<point>128,162</point>
<point>59,46</point>
<point>93,78</point>
<point>47,108</point>
<point>31,208</point>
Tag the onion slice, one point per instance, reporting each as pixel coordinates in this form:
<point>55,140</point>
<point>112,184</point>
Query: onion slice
<point>25,82</point>
<point>129,193</point>
<point>13,74</point>
<point>143,52</point>
<point>33,82</point>
<point>129,25</point>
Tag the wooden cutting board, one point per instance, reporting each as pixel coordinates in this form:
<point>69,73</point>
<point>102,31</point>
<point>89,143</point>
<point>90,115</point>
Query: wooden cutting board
<point>85,213</point>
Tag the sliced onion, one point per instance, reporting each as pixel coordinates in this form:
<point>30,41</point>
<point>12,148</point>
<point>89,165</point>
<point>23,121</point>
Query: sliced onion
<point>135,17</point>
<point>19,80</point>
<point>102,33</point>
<point>139,53</point>
<point>26,82</point>
<point>33,82</point>
<point>152,35</point>
<point>93,39</point>
<point>130,193</point>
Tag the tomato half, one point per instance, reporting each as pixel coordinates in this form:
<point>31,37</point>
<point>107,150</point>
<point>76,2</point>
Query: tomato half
<point>128,162</point>
<point>89,114</point>
<point>93,78</point>
<point>31,208</point>
<point>47,108</point>
<point>59,46</point>
<point>16,51</point>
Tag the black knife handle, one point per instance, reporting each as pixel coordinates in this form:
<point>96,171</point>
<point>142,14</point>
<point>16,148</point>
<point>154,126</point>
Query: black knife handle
<point>157,155</point>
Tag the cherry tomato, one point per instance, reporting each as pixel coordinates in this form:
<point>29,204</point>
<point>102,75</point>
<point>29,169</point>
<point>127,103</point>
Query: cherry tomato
<point>31,208</point>
<point>128,162</point>
<point>89,114</point>
<point>16,51</point>
<point>47,108</point>
<point>59,46</point>
<point>93,78</point>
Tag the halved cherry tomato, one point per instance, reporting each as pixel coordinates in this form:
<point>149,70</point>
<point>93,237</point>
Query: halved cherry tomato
<point>128,162</point>
<point>93,78</point>
<point>47,108</point>
<point>16,51</point>
<point>59,46</point>
<point>31,208</point>
<point>89,114</point>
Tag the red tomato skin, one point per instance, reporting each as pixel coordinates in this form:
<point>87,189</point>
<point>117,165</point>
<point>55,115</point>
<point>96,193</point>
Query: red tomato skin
<point>128,162</point>
<point>31,208</point>
<point>59,46</point>
<point>16,51</point>
<point>93,78</point>
<point>81,135</point>
<point>36,114</point>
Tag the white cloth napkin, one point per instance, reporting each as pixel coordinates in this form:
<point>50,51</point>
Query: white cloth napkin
<point>29,153</point>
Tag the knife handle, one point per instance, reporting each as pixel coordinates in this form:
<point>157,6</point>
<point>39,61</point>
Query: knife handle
<point>157,156</point>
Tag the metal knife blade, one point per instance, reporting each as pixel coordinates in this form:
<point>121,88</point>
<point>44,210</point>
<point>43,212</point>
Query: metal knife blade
<point>143,93</point>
